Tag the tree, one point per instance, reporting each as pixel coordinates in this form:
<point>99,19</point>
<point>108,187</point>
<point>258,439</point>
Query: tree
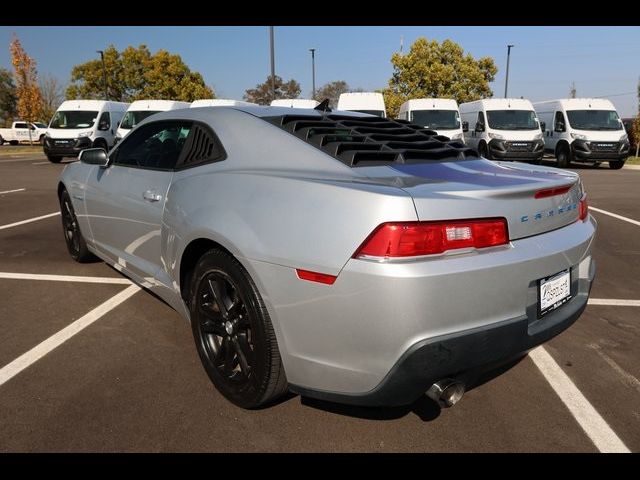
<point>27,90</point>
<point>332,91</point>
<point>431,69</point>
<point>8,99</point>
<point>136,74</point>
<point>52,96</point>
<point>262,93</point>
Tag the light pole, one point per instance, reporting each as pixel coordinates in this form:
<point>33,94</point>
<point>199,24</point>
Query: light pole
<point>506,81</point>
<point>313,73</point>
<point>104,74</point>
<point>273,66</point>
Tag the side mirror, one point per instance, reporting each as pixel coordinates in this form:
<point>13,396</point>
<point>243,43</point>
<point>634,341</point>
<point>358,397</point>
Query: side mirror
<point>465,126</point>
<point>103,126</point>
<point>559,127</point>
<point>94,156</point>
<point>479,127</point>
<point>543,126</point>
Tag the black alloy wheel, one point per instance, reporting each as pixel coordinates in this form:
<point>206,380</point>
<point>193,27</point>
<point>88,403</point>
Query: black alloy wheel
<point>72,235</point>
<point>233,333</point>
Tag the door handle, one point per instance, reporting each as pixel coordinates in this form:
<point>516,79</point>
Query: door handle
<point>151,196</point>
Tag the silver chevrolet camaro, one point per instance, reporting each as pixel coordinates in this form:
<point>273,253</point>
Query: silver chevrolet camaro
<point>338,255</point>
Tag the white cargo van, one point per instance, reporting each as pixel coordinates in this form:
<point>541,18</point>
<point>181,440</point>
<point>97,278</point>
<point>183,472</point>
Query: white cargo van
<point>80,124</point>
<point>141,109</point>
<point>503,129</point>
<point>363,102</point>
<point>219,102</point>
<point>584,130</point>
<point>438,114</point>
<point>295,103</point>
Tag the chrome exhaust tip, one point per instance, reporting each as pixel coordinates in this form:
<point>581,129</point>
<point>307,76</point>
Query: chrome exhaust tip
<point>446,392</point>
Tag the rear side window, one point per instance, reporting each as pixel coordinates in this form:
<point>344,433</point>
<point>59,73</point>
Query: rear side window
<point>154,146</point>
<point>21,125</point>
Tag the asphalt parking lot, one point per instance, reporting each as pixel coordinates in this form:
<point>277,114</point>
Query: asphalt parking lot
<point>131,380</point>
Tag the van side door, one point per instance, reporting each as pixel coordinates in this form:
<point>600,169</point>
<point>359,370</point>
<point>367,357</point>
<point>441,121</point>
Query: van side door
<point>556,131</point>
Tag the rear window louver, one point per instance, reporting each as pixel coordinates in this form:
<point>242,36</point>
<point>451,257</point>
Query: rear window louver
<point>202,148</point>
<point>365,141</point>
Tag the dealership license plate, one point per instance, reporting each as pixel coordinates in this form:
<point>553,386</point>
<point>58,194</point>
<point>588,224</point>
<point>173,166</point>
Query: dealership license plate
<point>554,291</point>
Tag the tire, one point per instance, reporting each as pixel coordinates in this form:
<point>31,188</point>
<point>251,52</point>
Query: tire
<point>1,141</point>
<point>616,164</point>
<point>233,332</point>
<point>563,156</point>
<point>483,150</point>
<point>54,159</point>
<point>73,237</point>
<point>41,140</point>
<point>101,143</point>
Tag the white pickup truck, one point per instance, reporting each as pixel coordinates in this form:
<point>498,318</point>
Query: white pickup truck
<point>19,133</point>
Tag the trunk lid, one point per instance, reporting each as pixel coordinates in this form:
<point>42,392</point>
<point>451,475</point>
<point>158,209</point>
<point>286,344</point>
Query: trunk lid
<point>482,189</point>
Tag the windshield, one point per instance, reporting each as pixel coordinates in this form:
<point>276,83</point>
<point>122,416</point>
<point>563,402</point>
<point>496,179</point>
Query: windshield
<point>594,119</point>
<point>436,119</point>
<point>40,125</point>
<point>73,119</point>
<point>377,113</point>
<point>132,118</point>
<point>512,119</point>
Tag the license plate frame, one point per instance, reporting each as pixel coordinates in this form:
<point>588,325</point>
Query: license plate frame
<point>561,282</point>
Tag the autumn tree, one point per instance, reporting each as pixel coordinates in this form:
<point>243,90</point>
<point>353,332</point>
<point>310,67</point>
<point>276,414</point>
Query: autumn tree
<point>442,70</point>
<point>136,74</point>
<point>332,91</point>
<point>27,90</point>
<point>8,99</point>
<point>52,96</point>
<point>262,93</point>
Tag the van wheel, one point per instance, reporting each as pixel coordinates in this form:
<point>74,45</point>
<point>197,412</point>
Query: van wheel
<point>101,143</point>
<point>233,332</point>
<point>41,139</point>
<point>616,164</point>
<point>54,159</point>
<point>562,157</point>
<point>484,151</point>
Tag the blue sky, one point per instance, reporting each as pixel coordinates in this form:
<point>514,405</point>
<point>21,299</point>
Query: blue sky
<point>602,61</point>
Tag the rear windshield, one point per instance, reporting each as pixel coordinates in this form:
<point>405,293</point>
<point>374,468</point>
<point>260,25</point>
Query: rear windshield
<point>594,119</point>
<point>437,119</point>
<point>74,119</point>
<point>132,118</point>
<point>512,120</point>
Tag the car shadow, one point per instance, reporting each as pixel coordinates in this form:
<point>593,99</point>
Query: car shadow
<point>424,408</point>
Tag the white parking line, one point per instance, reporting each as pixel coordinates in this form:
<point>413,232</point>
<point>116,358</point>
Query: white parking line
<point>615,215</point>
<point>29,220</point>
<point>36,353</point>
<point>596,428</point>
<point>614,301</point>
<point>64,278</point>
<point>12,191</point>
<point>41,163</point>
<point>626,376</point>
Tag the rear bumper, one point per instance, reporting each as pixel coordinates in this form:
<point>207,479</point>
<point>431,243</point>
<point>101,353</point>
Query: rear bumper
<point>464,355</point>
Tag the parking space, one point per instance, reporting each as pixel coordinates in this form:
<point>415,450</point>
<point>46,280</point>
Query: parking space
<point>130,378</point>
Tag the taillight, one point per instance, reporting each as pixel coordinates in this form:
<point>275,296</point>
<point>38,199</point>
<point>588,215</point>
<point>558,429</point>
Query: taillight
<point>584,208</point>
<point>412,239</point>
